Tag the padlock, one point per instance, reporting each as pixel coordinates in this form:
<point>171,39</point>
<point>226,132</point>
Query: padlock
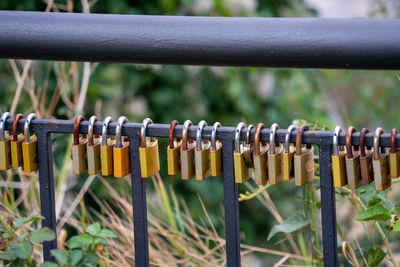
<point>79,156</point>
<point>106,149</point>
<point>93,149</point>
<point>394,157</point>
<point>16,143</point>
<point>202,154</point>
<point>288,156</point>
<point>173,151</point>
<point>215,152</point>
<point>148,152</point>
<point>367,173</point>
<point>303,160</point>
<point>5,149</point>
<point>248,148</point>
<point>29,147</point>
<point>275,152</point>
<point>260,158</point>
<point>241,171</point>
<point>187,153</point>
<point>338,161</point>
<point>353,169</point>
<point>121,153</point>
<point>380,164</point>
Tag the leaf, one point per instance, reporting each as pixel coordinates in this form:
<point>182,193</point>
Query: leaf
<point>396,226</point>
<point>378,212</point>
<point>91,257</point>
<point>80,241</point>
<point>23,250</point>
<point>107,233</point>
<point>5,256</point>
<point>94,229</point>
<point>48,264</point>
<point>101,241</point>
<point>61,256</point>
<point>292,224</point>
<point>41,235</point>
<point>19,222</point>
<point>388,204</point>
<point>375,256</point>
<point>75,256</point>
<point>22,236</point>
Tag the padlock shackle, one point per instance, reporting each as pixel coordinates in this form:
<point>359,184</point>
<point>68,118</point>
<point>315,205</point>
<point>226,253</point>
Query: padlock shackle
<point>199,131</point>
<point>299,138</point>
<point>90,135</point>
<point>362,141</point>
<point>14,126</point>
<point>214,135</point>
<point>349,150</point>
<point>287,137</point>
<point>104,129</point>
<point>145,122</point>
<point>3,119</point>
<point>27,124</point>
<point>336,134</point>
<point>393,141</point>
<point>257,138</point>
<point>377,152</point>
<point>238,129</point>
<point>78,120</point>
<point>118,129</point>
<point>272,134</point>
<point>185,130</point>
<point>251,126</point>
<point>171,133</point>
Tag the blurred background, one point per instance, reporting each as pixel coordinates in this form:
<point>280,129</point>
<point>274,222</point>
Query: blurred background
<point>324,98</point>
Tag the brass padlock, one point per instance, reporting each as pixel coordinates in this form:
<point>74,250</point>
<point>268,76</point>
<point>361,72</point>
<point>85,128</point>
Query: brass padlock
<point>338,161</point>
<point>173,151</point>
<point>215,152</point>
<point>16,143</point>
<point>394,157</point>
<point>148,152</point>
<point>288,156</point>
<point>202,154</point>
<point>260,158</point>
<point>275,173</point>
<point>241,171</point>
<point>29,147</point>
<point>380,164</point>
<point>303,160</point>
<point>248,149</point>
<point>353,169</point>
<point>122,162</point>
<point>106,149</point>
<point>187,153</point>
<point>5,149</point>
<point>367,173</point>
<point>93,149</point>
<point>79,156</point>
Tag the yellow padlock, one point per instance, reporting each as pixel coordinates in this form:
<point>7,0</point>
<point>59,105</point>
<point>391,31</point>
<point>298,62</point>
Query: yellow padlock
<point>215,152</point>
<point>29,147</point>
<point>16,143</point>
<point>303,160</point>
<point>380,164</point>
<point>353,168</point>
<point>394,156</point>
<point>187,153</point>
<point>367,173</point>
<point>148,152</point>
<point>106,149</point>
<point>202,154</point>
<point>79,157</point>
<point>5,149</point>
<point>275,173</point>
<point>288,156</point>
<point>93,149</point>
<point>338,161</point>
<point>260,158</point>
<point>173,151</point>
<point>121,153</point>
<point>241,171</point>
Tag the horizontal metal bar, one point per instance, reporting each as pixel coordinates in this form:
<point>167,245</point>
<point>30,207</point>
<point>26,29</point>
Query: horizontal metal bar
<point>259,42</point>
<point>223,133</point>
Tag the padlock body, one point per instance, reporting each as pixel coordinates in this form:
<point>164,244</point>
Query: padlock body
<point>304,166</point>
<point>241,171</point>
<point>107,162</point>
<point>367,173</point>
<point>275,174</point>
<point>187,162</point>
<point>381,172</point>
<point>174,158</point>
<point>288,163</point>
<point>93,159</point>
<point>394,162</point>
<point>5,155</point>
<point>79,157</point>
<point>339,170</point>
<point>353,171</point>
<point>260,168</point>
<point>149,159</point>
<point>122,161</point>
<point>216,160</point>
<point>16,152</point>
<point>202,163</point>
<point>29,153</point>
<point>248,150</point>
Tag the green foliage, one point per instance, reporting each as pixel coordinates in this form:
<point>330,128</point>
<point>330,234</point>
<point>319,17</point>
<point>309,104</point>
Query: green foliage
<point>377,213</point>
<point>294,223</point>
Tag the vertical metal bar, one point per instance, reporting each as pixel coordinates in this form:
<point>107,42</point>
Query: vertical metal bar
<point>328,207</point>
<point>46,182</point>
<point>139,205</point>
<point>231,206</point>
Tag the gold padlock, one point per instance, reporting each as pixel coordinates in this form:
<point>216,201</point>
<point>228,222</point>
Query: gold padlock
<point>241,171</point>
<point>16,143</point>
<point>288,156</point>
<point>394,156</point>
<point>187,153</point>
<point>173,151</point>
<point>367,173</point>
<point>148,152</point>
<point>215,152</point>
<point>5,149</point>
<point>380,164</point>
<point>106,149</point>
<point>79,156</point>
<point>275,173</point>
<point>121,153</point>
<point>338,161</point>
<point>29,147</point>
<point>260,158</point>
<point>93,149</point>
<point>353,169</point>
<point>303,160</point>
<point>248,149</point>
<point>202,154</point>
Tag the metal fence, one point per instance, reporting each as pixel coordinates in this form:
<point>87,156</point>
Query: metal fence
<point>313,43</point>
